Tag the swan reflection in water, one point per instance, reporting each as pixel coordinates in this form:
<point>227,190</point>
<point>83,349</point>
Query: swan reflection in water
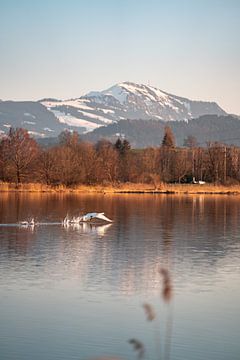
<point>28,223</point>
<point>88,228</point>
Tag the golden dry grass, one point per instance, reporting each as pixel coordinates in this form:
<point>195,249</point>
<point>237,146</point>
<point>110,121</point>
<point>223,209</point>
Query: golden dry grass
<point>124,188</point>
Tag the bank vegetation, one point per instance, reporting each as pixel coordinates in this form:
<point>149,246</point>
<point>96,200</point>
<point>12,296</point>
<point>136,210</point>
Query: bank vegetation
<point>74,165</point>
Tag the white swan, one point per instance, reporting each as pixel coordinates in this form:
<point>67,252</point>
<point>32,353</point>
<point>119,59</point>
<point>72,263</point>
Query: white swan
<point>85,218</point>
<point>94,215</point>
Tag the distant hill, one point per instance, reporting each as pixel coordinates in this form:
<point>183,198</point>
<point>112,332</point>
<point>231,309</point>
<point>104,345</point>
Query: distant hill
<point>143,133</point>
<point>30,115</point>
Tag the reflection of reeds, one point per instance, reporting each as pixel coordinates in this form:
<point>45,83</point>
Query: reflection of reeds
<point>168,336</point>
<point>166,295</point>
<point>151,316</point>
<point>149,311</point>
<point>138,347</point>
<point>167,285</point>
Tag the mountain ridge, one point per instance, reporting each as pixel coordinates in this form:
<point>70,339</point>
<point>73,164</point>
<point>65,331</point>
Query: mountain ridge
<point>128,100</point>
<point>122,101</point>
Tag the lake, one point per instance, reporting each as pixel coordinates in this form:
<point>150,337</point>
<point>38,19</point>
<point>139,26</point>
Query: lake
<point>77,292</point>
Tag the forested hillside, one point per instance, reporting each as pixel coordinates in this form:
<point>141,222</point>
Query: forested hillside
<point>144,133</point>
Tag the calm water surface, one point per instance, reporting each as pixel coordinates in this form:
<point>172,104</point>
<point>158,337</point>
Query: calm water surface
<point>77,293</point>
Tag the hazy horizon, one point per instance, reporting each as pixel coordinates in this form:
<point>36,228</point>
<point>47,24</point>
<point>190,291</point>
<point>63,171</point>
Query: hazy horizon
<point>65,49</point>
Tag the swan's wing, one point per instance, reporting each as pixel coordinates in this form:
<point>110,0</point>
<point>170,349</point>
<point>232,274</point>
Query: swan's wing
<point>89,216</point>
<point>95,215</point>
<point>101,216</point>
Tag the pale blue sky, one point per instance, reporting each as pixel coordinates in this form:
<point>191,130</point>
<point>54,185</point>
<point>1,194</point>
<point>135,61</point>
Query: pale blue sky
<point>63,49</point>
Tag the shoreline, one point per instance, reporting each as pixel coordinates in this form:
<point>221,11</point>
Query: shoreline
<point>125,188</point>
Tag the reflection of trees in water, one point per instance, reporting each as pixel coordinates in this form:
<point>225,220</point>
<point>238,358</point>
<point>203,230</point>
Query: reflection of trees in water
<point>167,226</point>
<point>16,242</point>
<point>193,232</point>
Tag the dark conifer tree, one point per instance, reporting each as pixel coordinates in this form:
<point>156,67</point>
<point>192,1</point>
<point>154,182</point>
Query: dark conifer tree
<point>123,147</point>
<point>126,147</point>
<point>118,145</point>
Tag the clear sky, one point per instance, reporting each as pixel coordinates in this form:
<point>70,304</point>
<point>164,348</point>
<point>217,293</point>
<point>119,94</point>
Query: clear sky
<point>65,48</point>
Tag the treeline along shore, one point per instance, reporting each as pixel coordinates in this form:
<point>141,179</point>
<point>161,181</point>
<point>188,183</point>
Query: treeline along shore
<point>75,165</point>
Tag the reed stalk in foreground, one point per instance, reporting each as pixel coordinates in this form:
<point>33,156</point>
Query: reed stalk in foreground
<point>151,316</point>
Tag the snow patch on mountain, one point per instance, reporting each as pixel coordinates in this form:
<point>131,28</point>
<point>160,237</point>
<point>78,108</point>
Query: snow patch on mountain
<point>127,100</point>
<point>120,93</point>
<point>30,115</point>
<point>78,112</point>
<point>48,129</point>
<point>36,134</point>
<point>29,122</point>
<point>73,121</point>
<point>94,116</point>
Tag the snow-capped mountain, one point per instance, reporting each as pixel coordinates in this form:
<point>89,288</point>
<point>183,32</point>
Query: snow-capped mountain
<point>128,101</point>
<point>48,117</point>
<point>33,116</point>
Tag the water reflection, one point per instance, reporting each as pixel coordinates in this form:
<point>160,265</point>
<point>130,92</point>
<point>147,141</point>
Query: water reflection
<point>103,273</point>
<point>194,233</point>
<point>88,228</point>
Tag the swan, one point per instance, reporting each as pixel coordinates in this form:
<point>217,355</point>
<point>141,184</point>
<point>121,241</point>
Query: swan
<point>94,215</point>
<point>85,218</point>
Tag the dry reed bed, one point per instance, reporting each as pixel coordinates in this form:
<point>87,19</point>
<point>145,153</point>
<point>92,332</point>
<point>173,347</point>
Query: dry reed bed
<point>124,188</point>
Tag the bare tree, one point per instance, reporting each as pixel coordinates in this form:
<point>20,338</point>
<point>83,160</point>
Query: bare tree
<point>190,141</point>
<point>69,138</point>
<point>182,164</point>
<point>107,161</point>
<point>20,152</point>
<point>46,166</point>
<point>217,169</point>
